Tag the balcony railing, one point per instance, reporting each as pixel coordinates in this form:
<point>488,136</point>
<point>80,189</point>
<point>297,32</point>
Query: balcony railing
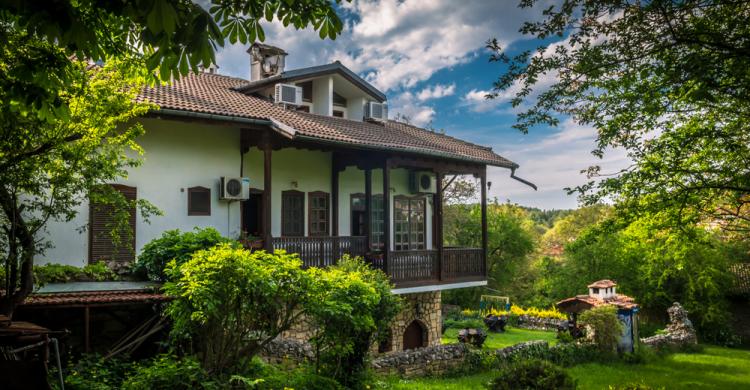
<point>405,268</point>
<point>321,251</point>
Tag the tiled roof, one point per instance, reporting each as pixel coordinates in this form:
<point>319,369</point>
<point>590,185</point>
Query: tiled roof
<point>741,272</point>
<point>605,283</point>
<point>94,297</point>
<point>208,93</point>
<point>621,301</point>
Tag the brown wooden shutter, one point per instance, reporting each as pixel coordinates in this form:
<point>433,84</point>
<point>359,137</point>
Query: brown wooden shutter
<point>318,212</point>
<point>292,213</point>
<point>199,201</point>
<point>101,246</point>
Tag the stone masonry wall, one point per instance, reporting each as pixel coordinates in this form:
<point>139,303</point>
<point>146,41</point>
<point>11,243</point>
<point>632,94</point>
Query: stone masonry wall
<point>424,308</point>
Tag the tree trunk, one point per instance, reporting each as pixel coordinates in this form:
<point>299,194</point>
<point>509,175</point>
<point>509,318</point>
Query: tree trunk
<point>20,239</point>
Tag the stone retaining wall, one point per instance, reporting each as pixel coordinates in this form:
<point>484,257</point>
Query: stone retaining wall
<point>537,323</point>
<point>436,360</point>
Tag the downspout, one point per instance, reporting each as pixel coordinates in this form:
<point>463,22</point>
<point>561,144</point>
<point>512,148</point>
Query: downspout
<point>528,183</point>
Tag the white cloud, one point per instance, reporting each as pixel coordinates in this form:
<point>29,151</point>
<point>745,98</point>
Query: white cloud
<point>418,114</point>
<point>437,91</point>
<point>552,163</point>
<point>477,101</point>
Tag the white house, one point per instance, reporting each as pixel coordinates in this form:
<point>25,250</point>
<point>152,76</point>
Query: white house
<point>310,164</point>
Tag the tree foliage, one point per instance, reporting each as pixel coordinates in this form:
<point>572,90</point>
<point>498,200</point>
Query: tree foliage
<point>48,165</point>
<point>353,310</point>
<point>664,80</point>
<point>606,326</point>
<point>231,302</point>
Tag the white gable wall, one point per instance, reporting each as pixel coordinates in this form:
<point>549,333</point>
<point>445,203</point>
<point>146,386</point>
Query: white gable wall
<point>177,155</point>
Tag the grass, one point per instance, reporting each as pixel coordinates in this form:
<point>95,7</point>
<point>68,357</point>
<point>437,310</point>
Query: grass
<point>511,336</point>
<point>712,368</point>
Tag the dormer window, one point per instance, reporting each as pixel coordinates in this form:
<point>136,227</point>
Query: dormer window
<point>307,93</point>
<point>339,100</point>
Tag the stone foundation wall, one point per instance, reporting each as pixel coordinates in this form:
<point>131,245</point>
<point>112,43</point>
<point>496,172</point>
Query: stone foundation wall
<point>421,307</point>
<point>435,360</point>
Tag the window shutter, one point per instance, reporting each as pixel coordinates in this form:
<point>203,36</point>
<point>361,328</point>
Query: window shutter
<point>199,201</point>
<point>292,213</point>
<point>101,218</point>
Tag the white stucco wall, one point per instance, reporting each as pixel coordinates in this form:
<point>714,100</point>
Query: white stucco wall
<point>177,155</point>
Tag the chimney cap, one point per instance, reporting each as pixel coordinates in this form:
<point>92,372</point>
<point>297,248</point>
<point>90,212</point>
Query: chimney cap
<point>605,283</point>
<point>272,50</point>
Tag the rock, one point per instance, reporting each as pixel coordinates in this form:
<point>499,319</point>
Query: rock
<point>679,332</point>
<point>473,336</point>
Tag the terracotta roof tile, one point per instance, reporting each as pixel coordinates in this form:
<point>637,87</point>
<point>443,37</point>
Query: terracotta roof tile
<point>619,300</point>
<point>94,297</point>
<point>605,283</point>
<point>214,94</point>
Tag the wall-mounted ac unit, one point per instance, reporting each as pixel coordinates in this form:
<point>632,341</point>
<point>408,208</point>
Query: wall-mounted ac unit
<point>288,94</point>
<point>234,188</point>
<point>376,111</point>
<point>421,182</point>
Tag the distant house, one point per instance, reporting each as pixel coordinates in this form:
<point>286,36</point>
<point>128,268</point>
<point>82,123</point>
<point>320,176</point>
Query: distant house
<point>739,300</point>
<point>307,161</point>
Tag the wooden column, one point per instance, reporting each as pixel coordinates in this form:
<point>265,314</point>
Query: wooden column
<point>267,201</point>
<point>386,213</point>
<point>483,176</point>
<point>86,330</point>
<point>334,195</point>
<point>368,209</point>
<point>438,216</point>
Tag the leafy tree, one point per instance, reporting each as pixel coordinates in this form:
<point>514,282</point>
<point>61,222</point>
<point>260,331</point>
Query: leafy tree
<point>48,167</point>
<point>664,80</point>
<point>354,309</point>
<point>511,237</point>
<point>231,302</point>
<point>605,325</point>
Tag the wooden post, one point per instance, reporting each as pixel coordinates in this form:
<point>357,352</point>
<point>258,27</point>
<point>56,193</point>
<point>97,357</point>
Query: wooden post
<point>334,196</point>
<point>386,214</point>
<point>368,209</point>
<point>438,216</point>
<point>483,176</point>
<point>86,330</point>
<point>267,239</point>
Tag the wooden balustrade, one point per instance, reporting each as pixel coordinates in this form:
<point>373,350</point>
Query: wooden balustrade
<point>321,251</point>
<point>405,268</point>
<point>463,264</point>
<point>413,266</point>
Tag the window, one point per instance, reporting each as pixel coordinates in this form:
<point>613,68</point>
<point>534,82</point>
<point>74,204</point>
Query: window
<point>596,291</point>
<point>318,215</point>
<point>358,211</point>
<point>292,213</point>
<point>338,114</point>
<point>409,223</point>
<point>101,223</point>
<point>339,100</point>
<point>307,87</point>
<point>199,201</point>
<point>303,108</point>
<point>377,223</point>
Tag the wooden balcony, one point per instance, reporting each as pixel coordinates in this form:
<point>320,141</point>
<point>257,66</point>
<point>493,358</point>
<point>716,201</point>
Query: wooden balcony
<point>405,268</point>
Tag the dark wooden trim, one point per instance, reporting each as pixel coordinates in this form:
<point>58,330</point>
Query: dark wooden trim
<point>483,179</point>
<point>437,222</point>
<point>387,213</point>
<point>334,225</point>
<point>310,196</point>
<point>267,191</point>
<point>190,192</point>
<point>295,193</point>
<point>368,208</point>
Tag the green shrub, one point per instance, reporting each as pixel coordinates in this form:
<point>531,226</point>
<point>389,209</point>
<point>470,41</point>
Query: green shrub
<point>564,337</point>
<point>177,245</point>
<point>606,326</point>
<point>62,273</point>
<point>229,302</point>
<point>168,372</point>
<point>532,375</point>
<point>353,307</point>
<point>92,373</point>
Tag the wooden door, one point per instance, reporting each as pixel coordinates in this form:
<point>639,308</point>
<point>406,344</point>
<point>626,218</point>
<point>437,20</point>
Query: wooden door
<point>414,336</point>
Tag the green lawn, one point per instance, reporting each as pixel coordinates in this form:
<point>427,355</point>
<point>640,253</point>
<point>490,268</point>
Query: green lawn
<point>713,368</point>
<point>511,336</point>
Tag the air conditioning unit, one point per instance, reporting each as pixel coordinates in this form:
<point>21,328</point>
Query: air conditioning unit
<point>421,182</point>
<point>288,94</point>
<point>376,111</point>
<point>234,188</point>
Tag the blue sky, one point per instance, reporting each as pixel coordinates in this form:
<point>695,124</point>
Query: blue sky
<point>429,59</point>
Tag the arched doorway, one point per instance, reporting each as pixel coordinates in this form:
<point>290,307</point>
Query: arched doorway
<point>415,336</point>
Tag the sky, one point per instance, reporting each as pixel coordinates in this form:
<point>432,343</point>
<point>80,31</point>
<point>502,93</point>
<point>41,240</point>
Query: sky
<point>429,58</point>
